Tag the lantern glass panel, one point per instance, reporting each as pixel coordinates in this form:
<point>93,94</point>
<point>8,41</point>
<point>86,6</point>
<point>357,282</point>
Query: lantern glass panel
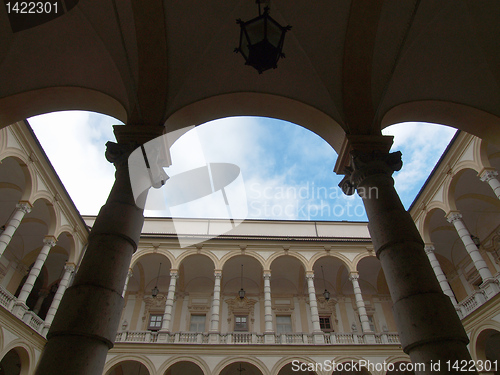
<point>255,31</point>
<point>273,33</point>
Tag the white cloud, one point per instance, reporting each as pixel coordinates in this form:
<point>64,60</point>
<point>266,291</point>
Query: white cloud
<point>75,141</point>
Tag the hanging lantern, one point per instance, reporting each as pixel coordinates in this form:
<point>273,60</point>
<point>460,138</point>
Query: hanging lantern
<point>261,41</point>
<point>155,290</point>
<point>241,293</point>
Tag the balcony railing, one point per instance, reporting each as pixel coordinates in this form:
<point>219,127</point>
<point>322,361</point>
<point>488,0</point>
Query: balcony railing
<point>237,338</point>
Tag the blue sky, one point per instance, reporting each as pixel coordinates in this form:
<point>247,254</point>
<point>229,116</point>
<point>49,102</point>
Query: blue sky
<point>287,171</point>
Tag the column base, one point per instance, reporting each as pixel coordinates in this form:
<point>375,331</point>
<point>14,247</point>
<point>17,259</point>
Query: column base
<point>45,329</point>
<point>163,336</point>
<point>369,338</point>
<point>269,338</point>
<point>490,288</point>
<point>318,338</point>
<point>214,337</point>
<point>19,309</point>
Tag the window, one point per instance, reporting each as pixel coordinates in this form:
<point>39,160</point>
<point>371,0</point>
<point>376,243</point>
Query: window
<point>197,323</point>
<point>241,323</point>
<point>283,324</point>
<point>325,324</point>
<point>155,321</point>
<point>372,322</point>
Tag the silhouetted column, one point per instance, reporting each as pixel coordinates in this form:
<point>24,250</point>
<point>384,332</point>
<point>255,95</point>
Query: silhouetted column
<point>22,209</point>
<point>69,268</point>
<point>456,219</point>
<point>443,282</point>
<point>129,275</point>
<point>169,305</point>
<point>491,177</point>
<point>363,316</point>
<point>86,323</point>
<point>214,320</point>
<point>429,328</point>
<point>48,243</point>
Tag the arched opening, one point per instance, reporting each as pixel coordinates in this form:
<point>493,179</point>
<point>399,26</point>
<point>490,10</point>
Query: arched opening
<point>128,368</point>
<point>241,368</point>
<point>488,349</point>
<point>15,362</point>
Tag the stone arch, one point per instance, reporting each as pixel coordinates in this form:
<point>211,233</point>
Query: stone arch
<point>459,116</point>
<point>120,359</point>
<point>279,254</point>
<point>426,235</point>
<point>358,258</point>
<point>481,153</point>
<point>72,242</point>
<point>251,254</point>
<point>285,361</point>
<point>26,168</point>
<point>51,99</point>
<point>451,184</point>
<point>479,336</point>
<point>24,352</point>
<point>186,358</point>
<point>251,360</point>
<point>187,253</point>
<point>148,251</point>
<point>343,259</point>
<point>47,199</point>
<point>259,104</point>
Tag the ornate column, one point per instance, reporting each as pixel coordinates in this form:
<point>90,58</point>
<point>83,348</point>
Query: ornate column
<point>48,243</point>
<point>87,320</point>
<point>22,209</point>
<point>268,312</point>
<point>129,275</point>
<point>491,177</point>
<point>363,316</point>
<point>167,315</point>
<point>443,282</point>
<point>313,305</point>
<point>69,268</point>
<point>214,320</point>
<point>456,219</point>
<point>428,326</point>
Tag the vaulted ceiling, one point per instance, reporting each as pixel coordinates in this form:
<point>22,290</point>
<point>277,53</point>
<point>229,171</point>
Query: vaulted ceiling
<point>351,66</point>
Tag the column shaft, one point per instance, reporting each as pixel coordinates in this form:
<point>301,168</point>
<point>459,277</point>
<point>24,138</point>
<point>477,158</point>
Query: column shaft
<point>129,275</point>
<point>429,327</point>
<point>49,243</point>
<point>456,219</point>
<point>363,316</point>
<point>85,325</point>
<point>443,282</point>
<point>313,303</point>
<point>491,177</point>
<point>214,320</point>
<point>268,313</point>
<point>21,210</point>
<point>167,315</point>
<point>63,284</point>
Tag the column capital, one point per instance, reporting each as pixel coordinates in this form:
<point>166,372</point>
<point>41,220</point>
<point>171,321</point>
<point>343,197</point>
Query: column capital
<point>488,174</point>
<point>365,164</point>
<point>267,274</point>
<point>130,273</point>
<point>429,248</point>
<point>309,274</point>
<point>453,216</point>
<point>118,153</point>
<point>218,274</point>
<point>174,274</point>
<point>69,267</point>
<point>138,134</point>
<point>50,241</point>
<point>24,206</point>
<point>353,275</point>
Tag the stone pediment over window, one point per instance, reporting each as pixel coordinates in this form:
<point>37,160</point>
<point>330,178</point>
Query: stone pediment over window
<point>238,306</point>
